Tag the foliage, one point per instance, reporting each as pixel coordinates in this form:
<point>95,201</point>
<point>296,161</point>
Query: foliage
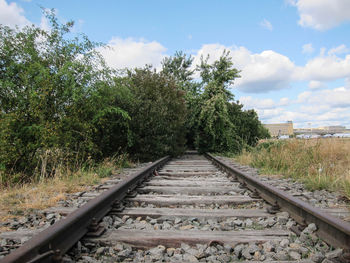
<point>55,93</point>
<point>215,130</point>
<point>61,106</point>
<point>214,121</point>
<point>158,113</point>
<point>179,67</point>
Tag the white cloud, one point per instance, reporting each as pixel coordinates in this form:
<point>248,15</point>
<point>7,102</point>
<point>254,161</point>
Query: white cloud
<point>322,14</point>
<point>12,15</point>
<point>314,85</point>
<point>318,107</point>
<point>338,50</point>
<point>269,70</point>
<point>308,49</point>
<point>334,98</point>
<point>254,103</point>
<point>261,72</point>
<point>132,53</point>
<point>266,24</point>
<point>324,68</point>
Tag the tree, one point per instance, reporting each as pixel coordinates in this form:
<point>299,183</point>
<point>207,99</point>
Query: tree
<point>158,114</point>
<point>179,67</point>
<point>51,97</point>
<point>215,131</point>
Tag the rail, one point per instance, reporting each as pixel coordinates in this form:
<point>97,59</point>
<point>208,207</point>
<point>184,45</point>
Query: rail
<point>50,244</point>
<point>333,230</point>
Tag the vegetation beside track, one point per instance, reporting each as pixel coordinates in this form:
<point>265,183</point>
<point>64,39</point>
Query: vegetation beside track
<point>62,106</point>
<point>23,199</point>
<point>318,163</point>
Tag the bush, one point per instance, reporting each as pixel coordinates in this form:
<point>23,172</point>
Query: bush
<point>158,114</point>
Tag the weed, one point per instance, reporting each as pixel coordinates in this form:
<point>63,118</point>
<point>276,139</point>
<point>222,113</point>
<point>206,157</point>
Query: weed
<point>320,163</point>
<point>46,190</point>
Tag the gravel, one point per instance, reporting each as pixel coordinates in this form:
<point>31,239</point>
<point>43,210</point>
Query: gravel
<point>320,198</point>
<point>305,246</point>
<point>38,220</point>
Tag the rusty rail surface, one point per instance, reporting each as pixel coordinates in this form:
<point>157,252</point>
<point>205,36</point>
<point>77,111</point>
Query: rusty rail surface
<point>331,229</point>
<point>52,243</point>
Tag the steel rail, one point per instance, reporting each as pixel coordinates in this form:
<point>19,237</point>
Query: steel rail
<point>52,243</point>
<point>331,229</point>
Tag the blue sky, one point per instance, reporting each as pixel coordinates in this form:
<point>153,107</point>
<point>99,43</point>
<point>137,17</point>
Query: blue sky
<point>294,54</point>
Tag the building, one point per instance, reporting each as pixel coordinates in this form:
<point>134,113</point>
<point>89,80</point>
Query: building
<point>323,130</point>
<point>278,129</point>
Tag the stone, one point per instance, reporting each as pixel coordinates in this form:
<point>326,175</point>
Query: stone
<point>249,222</point>
<point>284,242</point>
<point>50,216</point>
<point>118,247</point>
<point>129,221</point>
<point>192,251</point>
<point>159,250</point>
<point>290,223</point>
<point>124,218</point>
<point>238,249</point>
<point>224,258</point>
<point>294,255</point>
<point>282,219</point>
<point>310,228</point>
<point>247,253</point>
<point>304,251</point>
<point>124,253</point>
<point>317,257</point>
<point>185,247</point>
<point>108,221</point>
<point>271,221</point>
<point>88,259</point>
<point>177,258</point>
<point>170,251</point>
<point>166,225</point>
<point>23,220</point>
<point>238,222</point>
<point>294,246</point>
<point>201,255</point>
<point>228,248</point>
<point>211,250</point>
<point>281,255</point>
<point>257,255</point>
<point>268,247</point>
<point>186,227</point>
<point>334,254</point>
<point>100,251</point>
<point>177,220</point>
<point>189,258</point>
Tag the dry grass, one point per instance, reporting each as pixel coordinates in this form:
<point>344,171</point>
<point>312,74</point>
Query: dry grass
<point>17,200</point>
<point>319,163</point>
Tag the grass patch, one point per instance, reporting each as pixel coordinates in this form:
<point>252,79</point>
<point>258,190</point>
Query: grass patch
<point>318,163</point>
<point>44,192</point>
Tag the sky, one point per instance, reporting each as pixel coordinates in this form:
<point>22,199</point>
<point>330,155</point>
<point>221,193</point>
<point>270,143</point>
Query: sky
<point>294,55</point>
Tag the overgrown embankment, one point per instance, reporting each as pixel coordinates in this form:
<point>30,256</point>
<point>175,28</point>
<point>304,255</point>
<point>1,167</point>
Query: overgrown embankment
<point>23,199</point>
<point>319,164</point>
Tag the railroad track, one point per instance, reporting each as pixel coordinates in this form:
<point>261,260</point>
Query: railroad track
<point>190,209</point>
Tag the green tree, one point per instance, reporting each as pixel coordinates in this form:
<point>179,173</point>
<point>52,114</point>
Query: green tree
<point>158,114</point>
<point>179,67</point>
<point>248,126</point>
<point>215,130</point>
<point>52,89</point>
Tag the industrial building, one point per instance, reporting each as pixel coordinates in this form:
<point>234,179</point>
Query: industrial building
<point>279,129</point>
<point>283,129</point>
